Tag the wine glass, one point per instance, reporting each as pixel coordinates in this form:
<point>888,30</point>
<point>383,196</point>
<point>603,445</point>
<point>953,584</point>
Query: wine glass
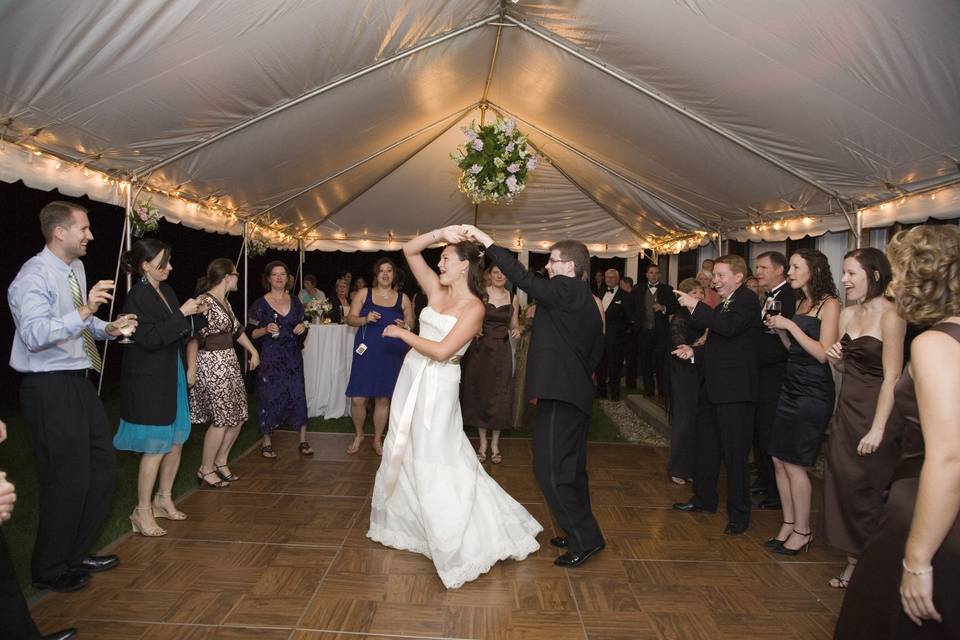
<point>773,307</point>
<point>125,327</point>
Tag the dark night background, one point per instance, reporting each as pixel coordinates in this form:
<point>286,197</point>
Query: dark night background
<point>193,249</point>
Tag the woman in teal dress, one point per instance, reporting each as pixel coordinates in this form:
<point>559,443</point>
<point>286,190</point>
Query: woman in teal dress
<point>154,412</point>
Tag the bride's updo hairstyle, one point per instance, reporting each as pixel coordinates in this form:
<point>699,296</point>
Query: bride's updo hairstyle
<point>142,251</point>
<point>470,252</point>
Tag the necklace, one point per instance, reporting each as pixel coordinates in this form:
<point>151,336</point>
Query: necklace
<point>383,294</point>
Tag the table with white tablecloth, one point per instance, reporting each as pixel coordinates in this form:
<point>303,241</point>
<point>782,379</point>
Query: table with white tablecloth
<point>327,359</point>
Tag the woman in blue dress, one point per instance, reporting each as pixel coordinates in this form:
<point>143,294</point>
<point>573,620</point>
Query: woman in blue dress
<point>154,413</point>
<point>277,323</point>
<point>376,361</point>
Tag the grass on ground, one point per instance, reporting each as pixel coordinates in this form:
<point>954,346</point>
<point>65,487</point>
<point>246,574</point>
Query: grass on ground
<point>16,458</point>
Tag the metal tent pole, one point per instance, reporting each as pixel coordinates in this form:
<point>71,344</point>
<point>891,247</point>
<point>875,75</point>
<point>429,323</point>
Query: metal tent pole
<point>124,246</point>
<point>246,275</point>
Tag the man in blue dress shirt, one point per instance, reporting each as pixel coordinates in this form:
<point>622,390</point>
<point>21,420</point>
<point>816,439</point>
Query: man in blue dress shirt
<point>54,349</point>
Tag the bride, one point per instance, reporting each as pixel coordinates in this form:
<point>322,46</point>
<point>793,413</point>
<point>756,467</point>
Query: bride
<point>431,495</point>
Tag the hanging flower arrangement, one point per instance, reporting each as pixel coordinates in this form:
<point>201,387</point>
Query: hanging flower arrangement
<point>495,160</point>
<point>256,247</point>
<point>144,217</point>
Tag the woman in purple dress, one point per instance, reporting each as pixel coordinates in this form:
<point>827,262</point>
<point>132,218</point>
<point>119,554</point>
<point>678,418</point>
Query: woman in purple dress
<point>376,362</point>
<point>277,323</point>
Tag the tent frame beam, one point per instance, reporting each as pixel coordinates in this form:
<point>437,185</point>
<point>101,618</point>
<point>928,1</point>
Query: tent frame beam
<point>379,152</point>
<point>589,195</point>
<point>455,119</point>
<point>313,93</point>
<point>673,105</point>
<point>586,156</point>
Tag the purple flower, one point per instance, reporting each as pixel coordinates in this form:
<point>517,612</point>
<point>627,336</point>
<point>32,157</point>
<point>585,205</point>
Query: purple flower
<point>532,163</point>
<point>509,125</point>
<point>475,169</point>
<point>510,147</point>
<point>470,133</point>
<point>511,183</point>
<point>513,167</point>
<point>478,144</point>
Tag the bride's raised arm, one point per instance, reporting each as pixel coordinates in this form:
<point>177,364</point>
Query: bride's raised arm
<point>427,277</point>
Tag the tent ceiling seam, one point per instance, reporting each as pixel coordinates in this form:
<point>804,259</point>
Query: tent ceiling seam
<point>379,152</point>
<point>561,171</point>
<point>609,170</point>
<point>456,118</point>
<point>672,104</point>
<point>317,91</point>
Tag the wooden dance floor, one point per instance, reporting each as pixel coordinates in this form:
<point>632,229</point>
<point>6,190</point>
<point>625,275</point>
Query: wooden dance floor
<point>282,554</point>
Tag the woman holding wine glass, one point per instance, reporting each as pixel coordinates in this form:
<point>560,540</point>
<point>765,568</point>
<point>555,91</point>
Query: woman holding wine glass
<point>154,413</point>
<point>807,394</point>
<point>217,394</point>
<point>276,322</point>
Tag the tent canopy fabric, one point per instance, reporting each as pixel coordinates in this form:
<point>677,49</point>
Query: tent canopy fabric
<point>332,122</point>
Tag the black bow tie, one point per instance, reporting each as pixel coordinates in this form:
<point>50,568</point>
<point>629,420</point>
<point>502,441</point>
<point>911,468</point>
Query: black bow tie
<point>609,290</point>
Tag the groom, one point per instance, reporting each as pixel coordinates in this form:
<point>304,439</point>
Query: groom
<point>566,348</point>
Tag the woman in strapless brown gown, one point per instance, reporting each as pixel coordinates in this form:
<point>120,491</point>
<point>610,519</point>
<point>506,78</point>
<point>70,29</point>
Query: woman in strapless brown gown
<point>486,386</point>
<point>860,460</point>
<point>907,584</point>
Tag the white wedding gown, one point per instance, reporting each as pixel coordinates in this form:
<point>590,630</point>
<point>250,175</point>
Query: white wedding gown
<point>431,495</point>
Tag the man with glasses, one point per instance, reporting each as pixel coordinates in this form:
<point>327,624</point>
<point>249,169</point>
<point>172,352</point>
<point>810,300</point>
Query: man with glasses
<point>565,349</point>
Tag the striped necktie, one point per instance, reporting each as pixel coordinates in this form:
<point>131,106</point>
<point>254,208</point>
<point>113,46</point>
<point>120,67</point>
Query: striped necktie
<point>89,346</point>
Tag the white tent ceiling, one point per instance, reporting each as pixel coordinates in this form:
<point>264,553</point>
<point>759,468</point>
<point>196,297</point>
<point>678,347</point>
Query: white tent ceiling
<point>332,122</point>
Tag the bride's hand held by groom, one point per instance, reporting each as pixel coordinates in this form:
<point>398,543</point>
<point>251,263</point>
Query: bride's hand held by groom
<point>683,351</point>
<point>476,235</point>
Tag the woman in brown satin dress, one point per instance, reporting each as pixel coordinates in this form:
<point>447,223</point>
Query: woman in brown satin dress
<point>907,583</point>
<point>860,460</point>
<point>486,389</point>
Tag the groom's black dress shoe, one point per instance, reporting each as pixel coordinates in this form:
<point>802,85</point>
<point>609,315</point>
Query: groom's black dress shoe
<point>560,541</point>
<point>63,634</point>
<point>570,559</point>
<point>69,580</point>
<point>734,528</point>
<point>93,564</point>
<point>691,507</point>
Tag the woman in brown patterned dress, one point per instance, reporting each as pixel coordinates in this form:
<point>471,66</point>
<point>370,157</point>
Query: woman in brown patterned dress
<point>217,394</point>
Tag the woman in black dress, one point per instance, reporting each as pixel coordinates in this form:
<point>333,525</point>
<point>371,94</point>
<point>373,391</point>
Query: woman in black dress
<point>684,390</point>
<point>907,583</point>
<point>807,394</point>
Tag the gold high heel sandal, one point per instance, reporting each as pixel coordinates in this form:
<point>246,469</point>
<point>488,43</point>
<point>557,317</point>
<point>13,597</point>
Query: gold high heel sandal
<point>161,512</point>
<point>155,532</point>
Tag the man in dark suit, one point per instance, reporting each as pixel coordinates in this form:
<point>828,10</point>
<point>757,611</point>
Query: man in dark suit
<point>618,309</point>
<point>566,347</point>
<point>730,366</point>
<point>655,303</point>
<point>770,268</point>
<point>630,342</point>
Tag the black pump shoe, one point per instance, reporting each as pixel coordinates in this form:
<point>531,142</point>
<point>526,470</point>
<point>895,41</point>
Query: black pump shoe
<point>786,551</point>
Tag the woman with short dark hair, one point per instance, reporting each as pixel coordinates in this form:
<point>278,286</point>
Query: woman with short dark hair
<point>154,412</point>
<point>860,460</point>
<point>276,322</point>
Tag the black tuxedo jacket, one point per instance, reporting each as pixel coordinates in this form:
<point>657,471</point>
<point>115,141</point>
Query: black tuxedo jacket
<point>567,342</point>
<point>729,360</point>
<point>621,315</point>
<point>148,384</point>
<point>772,353</point>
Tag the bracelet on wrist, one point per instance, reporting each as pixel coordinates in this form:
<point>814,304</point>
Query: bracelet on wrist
<point>922,572</point>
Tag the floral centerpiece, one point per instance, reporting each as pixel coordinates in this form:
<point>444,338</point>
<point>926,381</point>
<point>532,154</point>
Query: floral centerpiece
<point>256,247</point>
<point>318,310</point>
<point>144,217</point>
<point>495,160</point>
